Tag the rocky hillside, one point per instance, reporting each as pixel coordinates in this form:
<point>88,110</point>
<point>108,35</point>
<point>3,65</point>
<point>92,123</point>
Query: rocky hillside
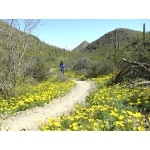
<point>119,37</point>
<point>82,46</point>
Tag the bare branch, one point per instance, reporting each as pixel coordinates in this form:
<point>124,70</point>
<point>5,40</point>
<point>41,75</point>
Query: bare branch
<point>142,83</point>
<point>14,61</point>
<point>30,24</point>
<point>142,65</point>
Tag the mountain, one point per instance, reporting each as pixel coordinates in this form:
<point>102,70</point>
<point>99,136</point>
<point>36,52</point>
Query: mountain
<point>122,35</point>
<point>113,46</point>
<point>82,46</point>
<point>105,54</point>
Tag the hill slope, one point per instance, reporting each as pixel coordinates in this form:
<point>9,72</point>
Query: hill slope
<point>107,41</point>
<point>37,48</point>
<point>81,46</point>
<point>105,55</point>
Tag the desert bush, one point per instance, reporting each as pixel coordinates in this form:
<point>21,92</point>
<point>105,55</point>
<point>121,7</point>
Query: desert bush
<point>61,78</point>
<point>39,71</point>
<point>83,63</point>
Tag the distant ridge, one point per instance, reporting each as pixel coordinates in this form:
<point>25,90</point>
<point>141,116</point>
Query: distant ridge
<point>82,46</point>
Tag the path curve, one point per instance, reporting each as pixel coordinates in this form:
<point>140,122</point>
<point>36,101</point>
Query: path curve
<point>31,119</point>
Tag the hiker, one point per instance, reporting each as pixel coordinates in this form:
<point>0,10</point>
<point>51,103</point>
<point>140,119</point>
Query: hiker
<point>62,67</point>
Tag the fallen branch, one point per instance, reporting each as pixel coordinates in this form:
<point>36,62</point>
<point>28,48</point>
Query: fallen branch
<point>142,65</point>
<point>142,83</point>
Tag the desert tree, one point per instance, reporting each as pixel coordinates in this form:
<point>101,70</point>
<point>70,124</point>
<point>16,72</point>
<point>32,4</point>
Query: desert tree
<point>14,48</point>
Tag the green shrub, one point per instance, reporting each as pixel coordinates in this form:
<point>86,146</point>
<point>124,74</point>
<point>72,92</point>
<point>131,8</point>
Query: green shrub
<point>39,71</point>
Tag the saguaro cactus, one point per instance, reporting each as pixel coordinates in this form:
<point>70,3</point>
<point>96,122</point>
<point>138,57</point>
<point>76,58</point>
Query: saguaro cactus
<point>116,42</point>
<point>116,39</point>
<point>144,37</point>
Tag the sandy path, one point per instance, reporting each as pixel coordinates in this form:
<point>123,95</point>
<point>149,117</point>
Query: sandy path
<point>31,119</point>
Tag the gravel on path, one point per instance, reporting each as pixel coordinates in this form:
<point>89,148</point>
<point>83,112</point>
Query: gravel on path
<point>31,119</point>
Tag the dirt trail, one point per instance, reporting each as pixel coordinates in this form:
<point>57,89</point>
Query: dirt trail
<point>31,119</point>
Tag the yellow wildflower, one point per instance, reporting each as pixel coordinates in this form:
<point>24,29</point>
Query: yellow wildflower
<point>138,115</point>
<point>131,103</point>
<point>95,124</point>
<point>129,120</point>
<point>141,128</point>
<point>102,126</point>
<point>149,118</point>
<point>113,114</point>
<point>121,117</point>
<point>121,123</point>
<point>57,124</point>
<point>75,124</point>
<point>130,113</point>
<point>75,128</point>
<point>21,103</point>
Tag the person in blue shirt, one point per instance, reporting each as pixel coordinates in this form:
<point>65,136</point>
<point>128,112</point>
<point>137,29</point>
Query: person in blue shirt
<point>62,67</point>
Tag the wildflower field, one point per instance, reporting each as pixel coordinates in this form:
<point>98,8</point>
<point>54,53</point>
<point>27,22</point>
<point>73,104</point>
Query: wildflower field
<point>35,96</point>
<point>108,108</point>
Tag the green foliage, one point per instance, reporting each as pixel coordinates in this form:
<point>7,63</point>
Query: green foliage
<point>103,58</point>
<point>38,71</point>
<point>34,62</point>
<point>83,63</point>
<point>101,68</point>
<point>61,78</point>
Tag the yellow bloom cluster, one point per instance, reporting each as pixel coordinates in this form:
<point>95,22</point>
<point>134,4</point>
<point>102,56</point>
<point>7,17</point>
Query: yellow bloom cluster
<point>108,108</point>
<point>39,95</point>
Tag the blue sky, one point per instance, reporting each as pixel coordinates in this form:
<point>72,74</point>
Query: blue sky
<point>69,33</point>
<point>69,22</point>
